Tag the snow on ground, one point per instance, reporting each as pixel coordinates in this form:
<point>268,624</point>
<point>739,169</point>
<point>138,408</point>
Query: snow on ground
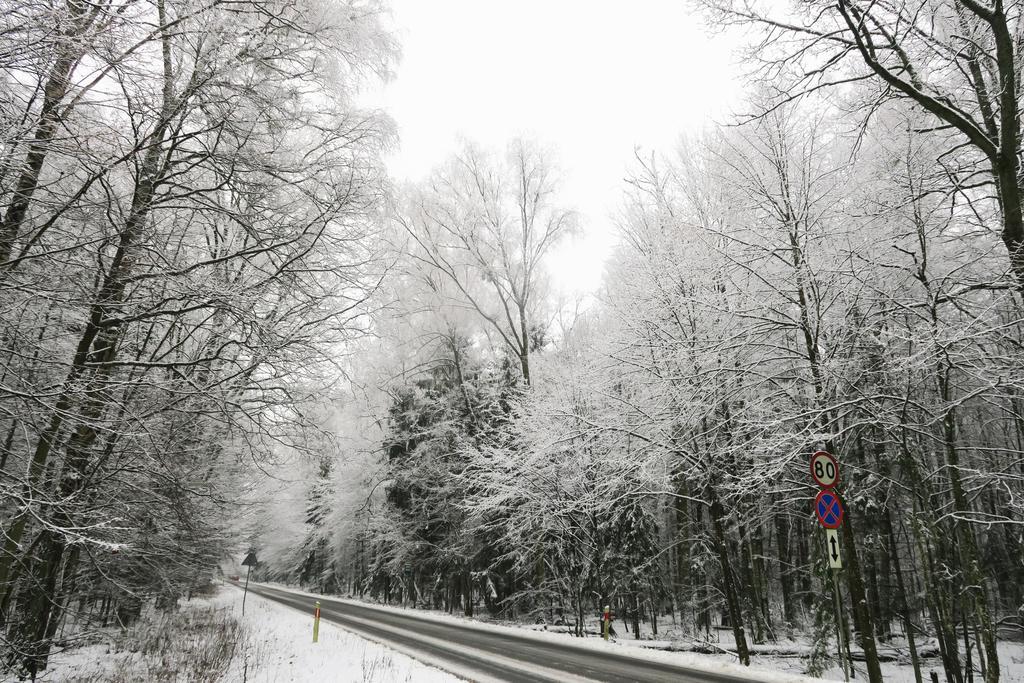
<point>210,641</point>
<point>765,667</point>
<point>203,642</point>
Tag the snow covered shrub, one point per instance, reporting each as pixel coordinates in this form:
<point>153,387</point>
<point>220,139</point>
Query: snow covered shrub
<point>193,645</point>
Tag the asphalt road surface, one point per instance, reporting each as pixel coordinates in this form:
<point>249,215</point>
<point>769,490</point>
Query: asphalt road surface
<point>486,655</point>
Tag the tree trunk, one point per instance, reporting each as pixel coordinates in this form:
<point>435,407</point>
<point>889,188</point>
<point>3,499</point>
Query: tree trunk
<point>785,565</point>
<point>729,587</point>
<point>861,614</point>
<point>902,602</point>
<point>70,51</point>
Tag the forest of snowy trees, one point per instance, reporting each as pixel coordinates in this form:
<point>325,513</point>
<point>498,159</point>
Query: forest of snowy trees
<point>223,324</point>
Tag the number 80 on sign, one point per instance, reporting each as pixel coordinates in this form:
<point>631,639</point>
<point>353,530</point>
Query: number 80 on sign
<point>824,469</point>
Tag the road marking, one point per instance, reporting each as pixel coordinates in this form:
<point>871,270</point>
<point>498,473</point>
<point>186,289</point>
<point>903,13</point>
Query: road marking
<point>553,675</point>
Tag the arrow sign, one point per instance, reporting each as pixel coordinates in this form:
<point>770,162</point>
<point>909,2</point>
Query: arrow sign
<point>829,509</point>
<point>835,560</point>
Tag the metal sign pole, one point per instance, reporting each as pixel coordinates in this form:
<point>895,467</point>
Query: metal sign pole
<point>840,630</point>
<point>245,591</point>
<point>249,562</point>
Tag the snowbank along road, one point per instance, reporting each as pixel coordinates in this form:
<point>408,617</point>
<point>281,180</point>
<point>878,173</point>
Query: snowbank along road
<point>489,655</point>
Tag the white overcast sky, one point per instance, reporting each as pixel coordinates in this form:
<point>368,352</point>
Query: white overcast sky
<point>593,79</point>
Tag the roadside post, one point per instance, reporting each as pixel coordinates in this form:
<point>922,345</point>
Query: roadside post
<point>249,562</point>
<point>607,619</point>
<point>407,589</point>
<point>829,510</point>
<point>316,622</point>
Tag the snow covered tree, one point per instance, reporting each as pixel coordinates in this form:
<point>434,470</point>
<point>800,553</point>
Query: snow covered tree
<point>189,203</point>
<point>484,225</point>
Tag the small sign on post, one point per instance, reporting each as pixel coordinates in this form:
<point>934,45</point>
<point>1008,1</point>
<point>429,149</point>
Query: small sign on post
<point>824,469</point>
<point>249,562</point>
<point>316,622</point>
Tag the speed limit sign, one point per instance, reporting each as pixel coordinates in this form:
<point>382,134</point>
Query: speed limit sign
<point>824,469</point>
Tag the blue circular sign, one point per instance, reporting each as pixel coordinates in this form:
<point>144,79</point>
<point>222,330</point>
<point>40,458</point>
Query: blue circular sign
<point>829,509</point>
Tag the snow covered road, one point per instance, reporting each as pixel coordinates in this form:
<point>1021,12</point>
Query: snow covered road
<point>496,654</point>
